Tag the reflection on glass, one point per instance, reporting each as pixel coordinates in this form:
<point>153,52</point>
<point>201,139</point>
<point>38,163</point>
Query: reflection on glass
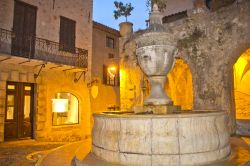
<point>10,107</point>
<point>11,86</point>
<point>10,100</point>
<point>26,107</point>
<point>28,88</point>
<point>10,113</point>
<point>65,117</point>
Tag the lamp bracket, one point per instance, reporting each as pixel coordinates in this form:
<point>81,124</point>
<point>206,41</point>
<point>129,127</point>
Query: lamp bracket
<point>77,79</point>
<point>37,75</point>
<point>90,84</point>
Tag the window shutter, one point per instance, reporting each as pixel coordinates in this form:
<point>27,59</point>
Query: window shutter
<point>67,34</point>
<point>104,77</point>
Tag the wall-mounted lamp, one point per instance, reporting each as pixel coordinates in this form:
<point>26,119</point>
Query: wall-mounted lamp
<point>112,71</point>
<point>60,105</point>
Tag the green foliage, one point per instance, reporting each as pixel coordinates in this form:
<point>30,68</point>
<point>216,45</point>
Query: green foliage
<point>161,4</point>
<point>122,10</point>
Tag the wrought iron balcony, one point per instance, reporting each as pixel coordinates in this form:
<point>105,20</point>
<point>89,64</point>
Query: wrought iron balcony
<point>40,49</point>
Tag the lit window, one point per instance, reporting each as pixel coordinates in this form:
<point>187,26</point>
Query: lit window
<point>65,109</point>
<point>110,42</point>
<point>111,75</point>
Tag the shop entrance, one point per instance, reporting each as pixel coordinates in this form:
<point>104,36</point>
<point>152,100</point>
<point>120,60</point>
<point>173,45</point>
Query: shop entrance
<point>19,111</point>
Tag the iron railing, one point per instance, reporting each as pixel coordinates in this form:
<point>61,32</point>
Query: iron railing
<point>41,49</point>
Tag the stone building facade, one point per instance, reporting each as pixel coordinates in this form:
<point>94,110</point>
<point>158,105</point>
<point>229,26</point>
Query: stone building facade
<point>46,67</point>
<point>105,91</point>
<point>209,42</point>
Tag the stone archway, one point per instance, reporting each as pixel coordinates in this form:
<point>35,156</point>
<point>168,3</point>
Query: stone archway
<point>240,126</point>
<point>242,86</point>
<point>180,85</point>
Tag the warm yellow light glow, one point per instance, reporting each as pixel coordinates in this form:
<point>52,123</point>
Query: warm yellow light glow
<point>122,73</point>
<point>112,71</point>
<point>241,86</point>
<point>60,105</point>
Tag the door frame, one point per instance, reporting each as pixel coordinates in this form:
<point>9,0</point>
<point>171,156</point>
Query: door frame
<point>17,92</point>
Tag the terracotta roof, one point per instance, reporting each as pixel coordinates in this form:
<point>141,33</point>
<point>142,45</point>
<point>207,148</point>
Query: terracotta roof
<point>106,28</point>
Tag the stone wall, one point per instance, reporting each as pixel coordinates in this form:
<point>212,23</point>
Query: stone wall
<point>11,73</point>
<point>106,95</point>
<point>51,81</point>
<point>48,20</point>
<point>177,6</point>
<point>47,85</point>
<point>210,43</point>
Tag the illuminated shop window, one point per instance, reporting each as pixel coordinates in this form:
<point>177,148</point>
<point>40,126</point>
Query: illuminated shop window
<point>65,109</point>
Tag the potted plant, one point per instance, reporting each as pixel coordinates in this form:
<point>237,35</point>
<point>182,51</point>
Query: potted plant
<point>124,10</point>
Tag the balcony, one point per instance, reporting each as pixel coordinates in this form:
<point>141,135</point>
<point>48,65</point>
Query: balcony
<point>41,49</point>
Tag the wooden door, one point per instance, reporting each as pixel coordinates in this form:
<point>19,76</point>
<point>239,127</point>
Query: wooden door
<point>24,30</point>
<point>19,111</point>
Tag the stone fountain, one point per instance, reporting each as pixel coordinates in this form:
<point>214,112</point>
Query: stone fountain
<point>180,138</point>
<point>155,53</point>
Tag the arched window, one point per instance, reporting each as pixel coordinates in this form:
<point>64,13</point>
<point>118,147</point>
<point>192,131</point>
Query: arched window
<point>65,109</point>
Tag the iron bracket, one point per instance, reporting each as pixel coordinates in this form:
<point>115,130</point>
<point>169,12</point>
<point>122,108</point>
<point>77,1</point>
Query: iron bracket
<point>77,79</point>
<point>37,75</point>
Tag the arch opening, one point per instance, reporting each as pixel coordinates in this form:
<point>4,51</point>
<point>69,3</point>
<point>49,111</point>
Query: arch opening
<point>241,71</point>
<point>180,85</point>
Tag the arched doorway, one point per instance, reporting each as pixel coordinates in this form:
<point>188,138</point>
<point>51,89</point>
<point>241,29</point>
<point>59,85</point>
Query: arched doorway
<point>242,86</point>
<point>179,85</point>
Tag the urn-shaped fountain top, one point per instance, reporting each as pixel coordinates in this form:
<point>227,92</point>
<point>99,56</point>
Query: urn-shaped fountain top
<point>156,33</point>
<point>155,55</point>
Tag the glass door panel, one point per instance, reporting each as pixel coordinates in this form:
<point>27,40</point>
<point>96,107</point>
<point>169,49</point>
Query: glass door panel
<point>26,117</point>
<point>19,110</point>
<point>10,107</point>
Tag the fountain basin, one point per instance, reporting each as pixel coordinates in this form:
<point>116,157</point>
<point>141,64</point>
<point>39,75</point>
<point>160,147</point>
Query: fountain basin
<point>196,138</point>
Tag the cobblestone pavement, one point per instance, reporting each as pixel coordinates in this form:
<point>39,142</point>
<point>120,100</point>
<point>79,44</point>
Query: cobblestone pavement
<point>25,152</point>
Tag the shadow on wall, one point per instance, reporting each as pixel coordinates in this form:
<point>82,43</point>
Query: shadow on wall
<point>242,86</point>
